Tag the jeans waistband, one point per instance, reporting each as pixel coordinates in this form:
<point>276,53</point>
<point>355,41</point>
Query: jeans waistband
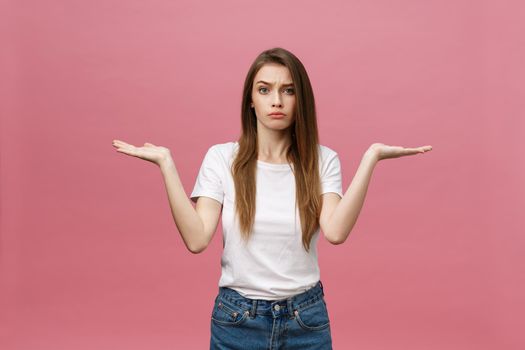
<point>273,307</point>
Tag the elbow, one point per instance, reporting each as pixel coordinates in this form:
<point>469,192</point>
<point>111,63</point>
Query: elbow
<point>335,239</point>
<point>194,244</point>
<point>196,249</point>
<point>337,242</point>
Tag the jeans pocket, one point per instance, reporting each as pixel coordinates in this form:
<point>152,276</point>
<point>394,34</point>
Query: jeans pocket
<point>228,314</point>
<point>313,317</point>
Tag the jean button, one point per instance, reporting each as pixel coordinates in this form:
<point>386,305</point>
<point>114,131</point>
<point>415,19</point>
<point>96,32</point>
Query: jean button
<point>277,307</point>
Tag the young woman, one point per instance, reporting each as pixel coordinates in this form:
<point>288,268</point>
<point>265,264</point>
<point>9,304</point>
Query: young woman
<point>277,188</point>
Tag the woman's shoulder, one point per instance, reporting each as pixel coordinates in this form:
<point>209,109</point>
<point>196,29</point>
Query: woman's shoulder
<point>326,152</point>
<point>223,150</point>
<point>224,146</point>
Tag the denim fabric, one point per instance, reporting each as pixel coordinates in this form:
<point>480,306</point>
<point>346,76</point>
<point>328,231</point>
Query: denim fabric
<point>299,322</point>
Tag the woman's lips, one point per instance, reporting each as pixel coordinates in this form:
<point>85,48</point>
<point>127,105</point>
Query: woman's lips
<point>277,115</point>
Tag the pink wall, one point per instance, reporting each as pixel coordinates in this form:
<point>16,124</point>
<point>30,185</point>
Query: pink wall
<point>90,257</point>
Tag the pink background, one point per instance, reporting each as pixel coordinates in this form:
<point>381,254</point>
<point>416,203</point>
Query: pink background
<point>90,257</point>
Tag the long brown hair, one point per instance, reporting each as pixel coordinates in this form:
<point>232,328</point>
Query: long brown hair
<point>302,153</point>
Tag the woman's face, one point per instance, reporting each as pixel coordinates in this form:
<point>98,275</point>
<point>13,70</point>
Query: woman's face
<point>273,92</point>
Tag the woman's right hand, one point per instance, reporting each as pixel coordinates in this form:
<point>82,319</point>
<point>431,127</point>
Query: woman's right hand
<point>149,152</point>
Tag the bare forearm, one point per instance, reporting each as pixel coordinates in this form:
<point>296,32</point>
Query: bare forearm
<point>347,211</point>
<point>184,214</point>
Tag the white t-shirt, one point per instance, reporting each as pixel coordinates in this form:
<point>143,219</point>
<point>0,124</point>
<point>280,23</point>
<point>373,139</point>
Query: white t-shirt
<point>273,264</point>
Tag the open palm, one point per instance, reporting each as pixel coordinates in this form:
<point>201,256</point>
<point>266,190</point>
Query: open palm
<point>149,152</point>
<point>384,151</point>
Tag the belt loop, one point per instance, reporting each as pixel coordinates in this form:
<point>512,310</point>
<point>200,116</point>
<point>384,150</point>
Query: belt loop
<point>289,305</point>
<point>254,307</point>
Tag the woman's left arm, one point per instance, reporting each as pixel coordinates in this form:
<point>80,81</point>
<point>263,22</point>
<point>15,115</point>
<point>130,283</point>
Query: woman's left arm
<point>338,216</point>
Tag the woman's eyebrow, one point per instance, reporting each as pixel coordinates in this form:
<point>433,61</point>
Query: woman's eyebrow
<point>264,82</point>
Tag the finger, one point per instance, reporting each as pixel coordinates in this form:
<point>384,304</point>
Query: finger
<point>120,143</point>
<point>123,150</point>
<point>124,145</point>
<point>129,151</point>
<point>424,149</point>
<point>411,150</point>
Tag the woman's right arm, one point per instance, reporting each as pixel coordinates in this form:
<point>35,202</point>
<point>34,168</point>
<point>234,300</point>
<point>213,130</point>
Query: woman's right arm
<point>196,225</point>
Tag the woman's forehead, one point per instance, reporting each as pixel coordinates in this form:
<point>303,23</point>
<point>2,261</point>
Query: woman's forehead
<point>273,73</point>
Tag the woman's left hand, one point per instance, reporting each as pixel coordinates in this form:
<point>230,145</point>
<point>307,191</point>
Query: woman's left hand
<point>382,151</point>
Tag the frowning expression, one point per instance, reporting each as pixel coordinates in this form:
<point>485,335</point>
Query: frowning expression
<point>273,96</point>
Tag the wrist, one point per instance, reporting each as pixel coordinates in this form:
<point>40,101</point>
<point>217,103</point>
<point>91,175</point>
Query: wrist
<point>166,163</point>
<point>372,153</point>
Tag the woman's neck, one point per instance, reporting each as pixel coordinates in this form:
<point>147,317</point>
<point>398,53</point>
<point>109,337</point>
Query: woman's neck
<point>273,149</point>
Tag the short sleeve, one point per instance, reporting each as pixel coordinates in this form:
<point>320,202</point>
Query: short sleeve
<point>331,176</point>
<point>209,180</point>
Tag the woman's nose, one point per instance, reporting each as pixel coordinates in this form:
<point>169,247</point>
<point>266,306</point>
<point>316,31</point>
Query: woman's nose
<point>277,100</point>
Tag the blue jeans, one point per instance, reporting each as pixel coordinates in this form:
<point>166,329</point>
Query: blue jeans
<point>299,322</point>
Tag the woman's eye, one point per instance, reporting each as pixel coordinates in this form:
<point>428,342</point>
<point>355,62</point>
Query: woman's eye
<point>289,91</point>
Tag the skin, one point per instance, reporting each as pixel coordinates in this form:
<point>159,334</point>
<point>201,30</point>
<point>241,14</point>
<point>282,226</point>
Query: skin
<point>338,215</point>
<point>275,95</point>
